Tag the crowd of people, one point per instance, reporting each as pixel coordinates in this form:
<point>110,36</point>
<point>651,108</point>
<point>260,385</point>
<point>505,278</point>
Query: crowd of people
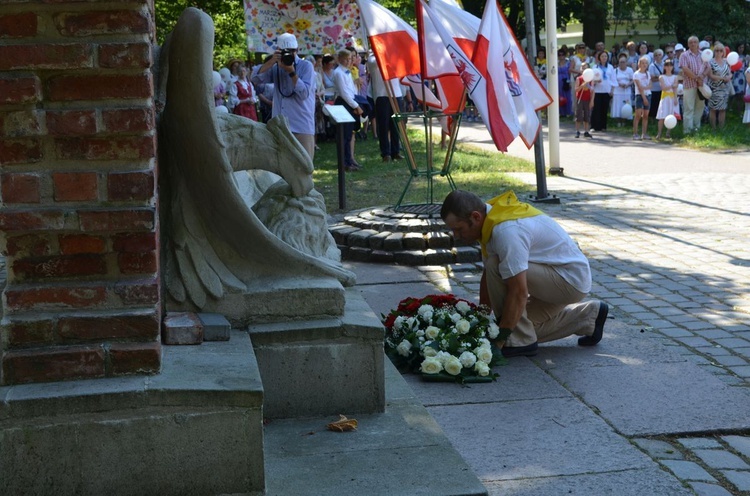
<point>298,88</point>
<point>644,83</point>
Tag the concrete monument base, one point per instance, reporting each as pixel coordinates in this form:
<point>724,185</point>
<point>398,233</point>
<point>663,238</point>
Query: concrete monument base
<point>196,428</point>
<point>322,367</point>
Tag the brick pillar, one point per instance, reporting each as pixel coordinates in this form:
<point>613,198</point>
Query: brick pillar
<point>78,223</point>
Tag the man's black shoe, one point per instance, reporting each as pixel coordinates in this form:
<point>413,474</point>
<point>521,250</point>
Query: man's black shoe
<point>601,319</point>
<point>515,351</point>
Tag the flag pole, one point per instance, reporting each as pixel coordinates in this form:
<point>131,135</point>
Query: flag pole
<point>426,118</point>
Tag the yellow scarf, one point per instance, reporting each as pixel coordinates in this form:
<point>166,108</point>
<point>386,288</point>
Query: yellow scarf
<point>504,207</point>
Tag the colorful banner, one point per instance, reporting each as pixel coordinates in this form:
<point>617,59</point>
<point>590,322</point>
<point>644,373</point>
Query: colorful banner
<point>320,26</point>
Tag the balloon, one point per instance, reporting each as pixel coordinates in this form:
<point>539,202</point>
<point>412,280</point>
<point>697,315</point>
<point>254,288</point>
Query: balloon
<point>597,74</point>
<point>627,111</point>
<point>221,109</point>
<point>588,75</point>
<point>707,55</point>
<point>563,101</point>
<point>732,58</point>
<point>670,121</point>
<point>680,89</point>
<point>225,74</point>
<point>216,79</point>
<point>736,67</point>
<point>706,91</point>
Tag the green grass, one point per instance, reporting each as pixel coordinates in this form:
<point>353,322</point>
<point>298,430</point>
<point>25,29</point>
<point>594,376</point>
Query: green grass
<point>381,183</point>
<point>734,137</point>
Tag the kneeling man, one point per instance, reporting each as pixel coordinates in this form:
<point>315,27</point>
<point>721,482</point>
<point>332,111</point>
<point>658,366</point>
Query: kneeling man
<point>535,276</point>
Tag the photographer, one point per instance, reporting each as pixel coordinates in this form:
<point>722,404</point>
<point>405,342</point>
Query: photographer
<point>294,89</point>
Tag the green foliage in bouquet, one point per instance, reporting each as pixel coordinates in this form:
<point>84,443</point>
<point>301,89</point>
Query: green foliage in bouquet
<point>444,338</point>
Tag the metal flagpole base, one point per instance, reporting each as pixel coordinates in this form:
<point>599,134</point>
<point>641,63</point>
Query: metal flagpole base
<point>552,199</point>
<point>556,171</point>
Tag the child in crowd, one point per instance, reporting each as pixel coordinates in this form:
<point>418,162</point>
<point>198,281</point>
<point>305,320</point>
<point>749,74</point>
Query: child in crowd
<point>642,81</point>
<point>668,104</point>
<point>583,104</point>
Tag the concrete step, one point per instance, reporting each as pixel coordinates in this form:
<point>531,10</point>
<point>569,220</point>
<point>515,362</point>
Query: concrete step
<point>401,451</point>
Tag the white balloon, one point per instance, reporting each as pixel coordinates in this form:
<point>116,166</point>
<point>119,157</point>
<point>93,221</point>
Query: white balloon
<point>627,111</point>
<point>732,58</point>
<point>221,109</point>
<point>588,75</point>
<point>597,74</point>
<point>225,74</point>
<point>680,89</point>
<point>670,121</point>
<point>707,55</point>
<point>216,79</point>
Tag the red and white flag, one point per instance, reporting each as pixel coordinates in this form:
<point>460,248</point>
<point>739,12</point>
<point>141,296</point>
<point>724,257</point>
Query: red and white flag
<point>393,41</point>
<point>485,83</point>
<point>396,48</point>
<point>527,93</point>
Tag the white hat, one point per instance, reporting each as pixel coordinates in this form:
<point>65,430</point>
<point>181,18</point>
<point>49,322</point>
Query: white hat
<point>704,44</point>
<point>286,41</point>
<point>678,47</point>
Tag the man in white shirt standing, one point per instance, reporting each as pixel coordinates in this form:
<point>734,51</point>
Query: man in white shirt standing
<point>535,276</point>
<point>345,91</point>
<point>390,143</point>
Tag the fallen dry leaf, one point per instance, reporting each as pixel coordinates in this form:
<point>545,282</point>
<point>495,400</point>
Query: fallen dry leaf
<point>343,424</point>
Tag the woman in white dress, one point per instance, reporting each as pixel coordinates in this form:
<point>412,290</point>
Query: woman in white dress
<point>623,88</point>
<point>668,102</point>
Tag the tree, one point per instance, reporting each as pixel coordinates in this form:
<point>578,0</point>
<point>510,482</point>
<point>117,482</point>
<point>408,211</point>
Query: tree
<point>726,20</point>
<point>229,25</point>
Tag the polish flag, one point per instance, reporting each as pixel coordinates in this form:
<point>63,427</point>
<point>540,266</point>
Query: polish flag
<point>527,93</point>
<point>396,49</point>
<point>393,41</point>
<point>485,82</point>
<point>461,25</point>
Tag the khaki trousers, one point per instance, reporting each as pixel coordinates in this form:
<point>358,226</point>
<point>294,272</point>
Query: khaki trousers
<point>692,110</point>
<point>308,143</point>
<point>554,309</point>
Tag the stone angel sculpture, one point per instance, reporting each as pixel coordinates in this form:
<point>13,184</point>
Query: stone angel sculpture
<point>244,232</point>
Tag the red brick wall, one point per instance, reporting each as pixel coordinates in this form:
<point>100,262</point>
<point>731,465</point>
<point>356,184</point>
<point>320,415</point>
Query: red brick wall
<point>78,221</point>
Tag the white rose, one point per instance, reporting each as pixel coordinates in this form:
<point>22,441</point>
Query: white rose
<point>484,342</point>
<point>463,307</point>
<point>453,365</point>
<point>484,354</point>
<point>456,317</point>
<point>432,332</point>
<point>420,333</point>
<point>443,356</point>
<point>494,330</point>
<point>431,366</point>
<point>425,309</point>
<point>411,322</point>
<point>429,352</point>
<point>403,348</point>
<point>482,369</point>
<point>467,359</point>
<point>463,326</point>
<point>398,322</point>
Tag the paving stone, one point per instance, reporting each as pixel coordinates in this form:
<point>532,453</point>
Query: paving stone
<point>740,479</point>
<point>730,360</point>
<point>360,238</point>
<point>695,342</point>
<point>394,242</point>
<point>719,458</point>
<point>437,240</point>
<point>705,489</point>
<point>381,256</point>
<point>742,371</point>
<point>182,328</point>
<point>686,470</point>
<point>467,254</point>
<point>658,449</point>
<point>358,254</point>
<point>441,256</point>
<point>741,444</point>
<point>699,442</point>
<point>377,241</point>
<point>414,241</point>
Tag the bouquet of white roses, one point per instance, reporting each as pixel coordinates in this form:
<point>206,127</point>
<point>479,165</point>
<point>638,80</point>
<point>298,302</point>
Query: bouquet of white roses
<point>444,337</point>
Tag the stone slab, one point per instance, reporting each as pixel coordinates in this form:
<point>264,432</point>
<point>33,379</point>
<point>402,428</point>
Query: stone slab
<point>216,327</point>
<point>505,440</point>
<point>520,379</point>
<point>647,481</point>
<point>378,274</point>
<point>652,399</point>
<point>196,428</point>
<point>383,298</point>
<point>401,451</point>
<point>739,443</point>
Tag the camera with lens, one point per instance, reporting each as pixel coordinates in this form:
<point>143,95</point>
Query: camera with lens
<point>287,57</point>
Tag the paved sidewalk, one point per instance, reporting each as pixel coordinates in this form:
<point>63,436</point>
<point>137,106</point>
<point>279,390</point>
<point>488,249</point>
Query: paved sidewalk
<point>661,405</point>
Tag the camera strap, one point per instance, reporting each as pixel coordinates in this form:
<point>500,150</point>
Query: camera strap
<point>278,78</point>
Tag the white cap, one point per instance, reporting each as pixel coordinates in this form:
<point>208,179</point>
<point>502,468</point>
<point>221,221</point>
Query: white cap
<point>704,44</point>
<point>286,41</point>
<point>679,46</point>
